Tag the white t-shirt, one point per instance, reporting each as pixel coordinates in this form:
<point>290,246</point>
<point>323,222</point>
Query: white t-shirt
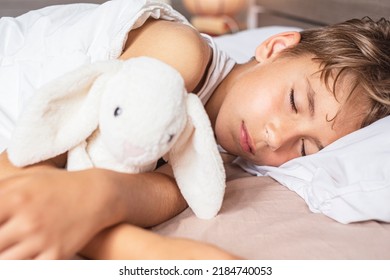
<point>44,44</point>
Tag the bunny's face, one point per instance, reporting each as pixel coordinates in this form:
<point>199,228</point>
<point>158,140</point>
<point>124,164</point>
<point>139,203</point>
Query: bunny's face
<point>142,112</point>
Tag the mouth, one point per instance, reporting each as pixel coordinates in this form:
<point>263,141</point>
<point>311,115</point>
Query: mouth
<point>245,141</point>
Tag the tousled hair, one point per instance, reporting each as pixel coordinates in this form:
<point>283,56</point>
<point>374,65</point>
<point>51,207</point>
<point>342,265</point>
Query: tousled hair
<point>358,49</point>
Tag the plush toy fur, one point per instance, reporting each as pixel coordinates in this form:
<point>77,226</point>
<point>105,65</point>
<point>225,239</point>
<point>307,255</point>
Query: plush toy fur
<point>124,116</point>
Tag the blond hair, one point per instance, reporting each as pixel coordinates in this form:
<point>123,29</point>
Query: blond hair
<point>358,48</point>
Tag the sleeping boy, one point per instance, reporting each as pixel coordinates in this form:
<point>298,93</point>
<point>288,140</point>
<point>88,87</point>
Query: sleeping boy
<point>299,93</point>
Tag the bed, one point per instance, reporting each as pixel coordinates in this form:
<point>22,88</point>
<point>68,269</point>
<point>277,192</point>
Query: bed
<point>260,217</point>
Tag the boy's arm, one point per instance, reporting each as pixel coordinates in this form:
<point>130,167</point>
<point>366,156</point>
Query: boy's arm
<point>130,242</point>
<point>144,199</point>
<point>176,44</point>
<point>47,212</point>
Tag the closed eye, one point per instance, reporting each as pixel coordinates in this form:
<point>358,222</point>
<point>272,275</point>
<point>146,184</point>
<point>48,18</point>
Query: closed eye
<point>292,101</point>
<point>303,149</point>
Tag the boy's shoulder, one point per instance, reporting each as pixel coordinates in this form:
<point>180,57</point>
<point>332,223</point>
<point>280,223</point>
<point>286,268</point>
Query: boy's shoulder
<point>175,43</point>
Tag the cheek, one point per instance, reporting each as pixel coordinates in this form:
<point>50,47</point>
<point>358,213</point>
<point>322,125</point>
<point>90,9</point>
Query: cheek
<point>224,128</point>
<point>257,95</point>
<point>245,98</point>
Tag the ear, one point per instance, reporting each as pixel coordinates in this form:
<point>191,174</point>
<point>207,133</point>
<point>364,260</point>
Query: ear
<point>274,44</point>
<point>197,164</point>
<point>62,114</point>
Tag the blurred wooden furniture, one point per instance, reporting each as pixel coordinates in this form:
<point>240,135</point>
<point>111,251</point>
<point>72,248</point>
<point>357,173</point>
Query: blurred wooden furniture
<point>215,17</point>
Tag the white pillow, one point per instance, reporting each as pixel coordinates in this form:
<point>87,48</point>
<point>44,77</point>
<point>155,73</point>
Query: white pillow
<point>348,180</point>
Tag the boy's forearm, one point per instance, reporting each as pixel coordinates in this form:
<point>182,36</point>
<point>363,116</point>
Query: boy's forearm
<point>144,199</point>
<point>122,242</point>
<point>130,242</point>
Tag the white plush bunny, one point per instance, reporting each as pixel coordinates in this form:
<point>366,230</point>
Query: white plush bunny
<point>124,116</point>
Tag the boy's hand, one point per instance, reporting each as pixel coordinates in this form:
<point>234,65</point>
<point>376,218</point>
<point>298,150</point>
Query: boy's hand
<point>48,214</point>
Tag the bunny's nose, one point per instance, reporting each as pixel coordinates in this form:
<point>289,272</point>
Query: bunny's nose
<point>133,151</point>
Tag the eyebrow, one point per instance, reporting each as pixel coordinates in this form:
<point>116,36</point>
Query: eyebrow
<point>311,103</point>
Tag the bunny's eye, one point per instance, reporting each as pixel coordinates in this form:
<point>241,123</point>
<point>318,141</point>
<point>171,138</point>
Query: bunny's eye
<point>117,111</point>
<point>170,137</point>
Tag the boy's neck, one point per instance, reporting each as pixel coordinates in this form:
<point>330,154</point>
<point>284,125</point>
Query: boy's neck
<point>217,98</point>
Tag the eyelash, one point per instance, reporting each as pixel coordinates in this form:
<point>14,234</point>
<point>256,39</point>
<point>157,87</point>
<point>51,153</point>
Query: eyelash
<point>295,109</point>
<point>292,101</point>
<point>303,150</point>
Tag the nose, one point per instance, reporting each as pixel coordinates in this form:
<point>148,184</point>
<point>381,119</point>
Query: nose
<point>280,132</point>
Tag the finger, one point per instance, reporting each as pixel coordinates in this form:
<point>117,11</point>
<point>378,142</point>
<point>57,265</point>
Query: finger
<point>47,255</point>
<point>9,201</point>
<point>4,211</point>
<point>3,218</point>
<point>20,251</point>
<point>8,236</point>
<point>16,230</point>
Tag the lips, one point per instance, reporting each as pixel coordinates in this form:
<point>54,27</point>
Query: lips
<point>245,141</point>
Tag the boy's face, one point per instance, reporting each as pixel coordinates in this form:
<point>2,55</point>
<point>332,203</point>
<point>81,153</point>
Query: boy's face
<point>280,109</point>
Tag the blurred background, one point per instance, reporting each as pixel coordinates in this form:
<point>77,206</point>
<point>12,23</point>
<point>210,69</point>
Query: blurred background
<point>218,17</point>
<point>17,7</point>
<point>210,16</point>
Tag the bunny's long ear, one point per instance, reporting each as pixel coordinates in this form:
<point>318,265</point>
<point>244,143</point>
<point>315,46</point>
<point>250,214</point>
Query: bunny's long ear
<point>60,115</point>
<point>197,164</point>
